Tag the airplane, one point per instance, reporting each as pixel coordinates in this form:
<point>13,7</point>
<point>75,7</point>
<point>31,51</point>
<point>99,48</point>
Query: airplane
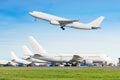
<point>62,22</point>
<point>7,63</point>
<point>66,58</point>
<point>15,59</point>
<point>28,54</point>
<point>4,62</point>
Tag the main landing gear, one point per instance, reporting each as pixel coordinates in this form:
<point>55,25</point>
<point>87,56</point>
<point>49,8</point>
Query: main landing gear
<point>62,27</point>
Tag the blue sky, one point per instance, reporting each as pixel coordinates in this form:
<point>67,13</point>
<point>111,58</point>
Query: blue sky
<point>16,25</point>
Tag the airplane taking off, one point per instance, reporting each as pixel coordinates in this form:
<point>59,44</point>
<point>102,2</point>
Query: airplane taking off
<point>66,58</point>
<point>62,22</point>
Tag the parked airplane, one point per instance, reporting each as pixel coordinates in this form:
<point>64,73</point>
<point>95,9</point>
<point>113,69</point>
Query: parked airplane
<point>4,62</point>
<point>66,22</point>
<point>66,58</point>
<point>29,55</point>
<point>7,63</point>
<point>19,60</point>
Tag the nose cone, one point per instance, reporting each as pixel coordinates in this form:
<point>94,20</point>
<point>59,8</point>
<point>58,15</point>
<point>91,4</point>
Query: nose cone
<point>31,13</point>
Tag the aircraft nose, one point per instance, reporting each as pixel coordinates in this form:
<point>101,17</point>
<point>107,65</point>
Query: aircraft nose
<point>31,13</point>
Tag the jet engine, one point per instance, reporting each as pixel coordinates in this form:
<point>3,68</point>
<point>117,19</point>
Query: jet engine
<point>54,22</point>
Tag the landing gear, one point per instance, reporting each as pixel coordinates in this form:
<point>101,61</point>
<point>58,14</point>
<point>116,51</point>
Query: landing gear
<point>62,27</point>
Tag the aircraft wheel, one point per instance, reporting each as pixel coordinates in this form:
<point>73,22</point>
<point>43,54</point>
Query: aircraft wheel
<point>62,28</point>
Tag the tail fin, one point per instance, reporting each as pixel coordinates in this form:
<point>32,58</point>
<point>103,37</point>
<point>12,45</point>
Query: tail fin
<point>37,49</point>
<point>13,55</point>
<point>96,23</point>
<point>27,51</point>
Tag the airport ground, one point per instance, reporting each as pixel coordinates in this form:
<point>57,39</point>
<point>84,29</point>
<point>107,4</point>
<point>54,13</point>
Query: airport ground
<point>42,73</point>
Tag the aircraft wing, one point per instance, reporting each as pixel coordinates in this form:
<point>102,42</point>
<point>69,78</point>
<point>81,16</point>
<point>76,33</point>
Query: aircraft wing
<point>76,58</point>
<point>64,22</point>
<point>37,56</point>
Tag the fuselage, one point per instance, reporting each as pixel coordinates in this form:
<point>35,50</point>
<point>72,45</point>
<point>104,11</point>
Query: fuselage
<point>44,16</point>
<point>35,60</point>
<point>68,57</point>
<point>18,60</point>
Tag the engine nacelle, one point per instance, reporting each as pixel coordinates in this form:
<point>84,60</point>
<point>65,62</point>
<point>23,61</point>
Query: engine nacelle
<point>54,22</point>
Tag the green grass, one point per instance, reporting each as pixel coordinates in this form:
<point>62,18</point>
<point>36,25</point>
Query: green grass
<point>59,74</point>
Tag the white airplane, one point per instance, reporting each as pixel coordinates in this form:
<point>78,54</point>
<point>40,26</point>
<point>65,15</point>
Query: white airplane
<point>7,63</point>
<point>66,22</point>
<point>4,62</point>
<point>19,60</point>
<point>29,55</point>
<point>66,58</point>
